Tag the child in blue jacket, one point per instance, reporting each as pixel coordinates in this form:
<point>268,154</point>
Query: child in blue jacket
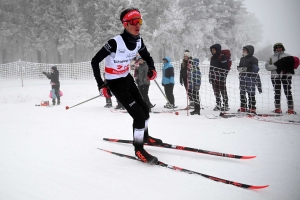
<point>168,81</point>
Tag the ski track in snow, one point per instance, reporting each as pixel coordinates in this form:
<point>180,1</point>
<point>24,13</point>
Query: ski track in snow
<point>51,153</point>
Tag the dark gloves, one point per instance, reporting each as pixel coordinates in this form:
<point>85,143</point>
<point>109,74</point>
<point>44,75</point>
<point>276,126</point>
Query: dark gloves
<point>151,74</point>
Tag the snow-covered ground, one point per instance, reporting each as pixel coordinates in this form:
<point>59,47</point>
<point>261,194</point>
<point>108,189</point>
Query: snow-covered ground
<point>51,153</point>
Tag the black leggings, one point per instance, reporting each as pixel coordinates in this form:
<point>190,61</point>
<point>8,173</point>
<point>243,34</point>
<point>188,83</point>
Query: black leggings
<point>169,93</point>
<point>127,93</point>
<point>286,82</point>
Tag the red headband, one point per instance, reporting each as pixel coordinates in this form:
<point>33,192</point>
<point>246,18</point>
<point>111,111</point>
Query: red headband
<point>132,14</point>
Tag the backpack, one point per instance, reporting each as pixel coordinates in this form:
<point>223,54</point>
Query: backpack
<point>227,55</point>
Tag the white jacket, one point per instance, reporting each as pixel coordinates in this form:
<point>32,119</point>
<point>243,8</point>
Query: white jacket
<point>270,63</point>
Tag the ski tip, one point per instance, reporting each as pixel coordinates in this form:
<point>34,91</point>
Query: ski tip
<point>104,150</point>
<point>248,157</point>
<point>110,140</point>
<point>258,187</point>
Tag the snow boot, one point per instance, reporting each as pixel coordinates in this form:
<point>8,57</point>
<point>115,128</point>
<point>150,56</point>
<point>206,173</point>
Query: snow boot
<point>144,156</point>
<point>242,110</point>
<point>277,110</point>
<point>154,141</point>
<point>217,108</point>
<point>291,112</point>
<point>53,102</point>
<point>108,105</point>
<point>225,108</point>
<point>195,112</point>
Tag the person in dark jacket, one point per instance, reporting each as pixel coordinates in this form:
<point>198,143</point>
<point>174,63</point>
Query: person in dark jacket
<point>248,68</point>
<point>168,81</point>
<point>55,84</point>
<point>142,81</point>
<point>194,82</point>
<point>280,79</point>
<point>217,77</point>
<point>184,71</point>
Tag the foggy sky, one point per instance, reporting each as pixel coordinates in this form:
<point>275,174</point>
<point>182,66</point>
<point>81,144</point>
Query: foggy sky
<point>281,22</point>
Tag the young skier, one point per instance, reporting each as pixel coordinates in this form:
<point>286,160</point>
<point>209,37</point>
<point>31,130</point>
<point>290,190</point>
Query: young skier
<point>168,81</point>
<point>118,53</point>
<point>55,84</point>
<point>194,82</point>
<point>217,77</point>
<point>248,76</point>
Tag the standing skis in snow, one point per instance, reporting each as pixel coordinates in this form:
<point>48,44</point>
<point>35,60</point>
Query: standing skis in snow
<point>118,53</point>
<point>55,84</point>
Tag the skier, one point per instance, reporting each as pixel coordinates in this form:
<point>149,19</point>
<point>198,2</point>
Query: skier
<point>248,76</point>
<point>118,53</point>
<point>143,82</point>
<point>55,84</point>
<point>278,79</point>
<point>217,77</point>
<point>168,81</point>
<point>194,82</point>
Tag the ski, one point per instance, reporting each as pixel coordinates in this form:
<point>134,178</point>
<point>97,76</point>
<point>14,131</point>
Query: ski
<point>162,164</point>
<point>118,111</point>
<point>251,114</point>
<point>125,112</point>
<point>168,111</point>
<point>183,148</point>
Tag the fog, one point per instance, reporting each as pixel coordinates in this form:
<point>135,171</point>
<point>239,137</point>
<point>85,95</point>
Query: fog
<point>280,19</point>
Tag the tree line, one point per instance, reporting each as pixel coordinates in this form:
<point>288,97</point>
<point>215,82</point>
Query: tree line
<point>73,31</point>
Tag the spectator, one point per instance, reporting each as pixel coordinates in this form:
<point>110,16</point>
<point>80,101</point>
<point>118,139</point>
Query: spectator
<point>168,81</point>
<point>143,82</point>
<point>55,84</point>
<point>184,70</point>
<point>194,82</point>
<point>281,78</point>
<point>217,77</point>
<point>249,78</point>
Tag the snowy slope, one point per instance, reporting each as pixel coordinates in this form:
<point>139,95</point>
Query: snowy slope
<point>51,153</point>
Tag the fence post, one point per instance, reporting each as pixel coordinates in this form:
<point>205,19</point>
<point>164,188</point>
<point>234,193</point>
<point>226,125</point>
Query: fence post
<point>21,71</point>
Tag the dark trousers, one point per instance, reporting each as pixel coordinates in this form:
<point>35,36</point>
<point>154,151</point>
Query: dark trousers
<point>127,93</point>
<point>185,83</point>
<point>144,89</point>
<point>251,100</point>
<point>286,82</point>
<point>169,93</point>
<point>220,89</point>
<point>56,89</point>
<point>195,98</point>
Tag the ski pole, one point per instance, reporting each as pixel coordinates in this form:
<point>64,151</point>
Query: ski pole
<point>163,93</point>
<point>67,107</point>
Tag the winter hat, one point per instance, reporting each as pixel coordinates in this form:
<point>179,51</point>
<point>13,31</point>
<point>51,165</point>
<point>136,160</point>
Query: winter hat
<point>54,68</point>
<point>187,54</point>
<point>279,44</point>
<point>296,62</point>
